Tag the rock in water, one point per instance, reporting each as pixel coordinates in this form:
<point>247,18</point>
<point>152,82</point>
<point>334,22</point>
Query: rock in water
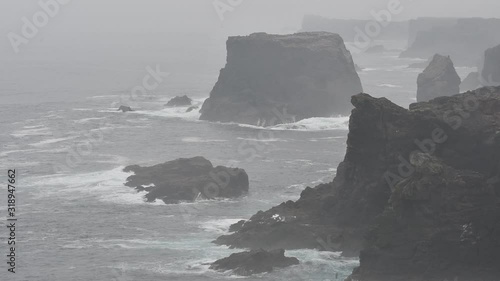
<point>180,101</point>
<point>491,68</point>
<point>191,108</point>
<point>471,82</point>
<point>418,192</point>
<point>253,262</point>
<point>187,179</point>
<point>439,79</point>
<point>124,108</point>
<point>279,78</point>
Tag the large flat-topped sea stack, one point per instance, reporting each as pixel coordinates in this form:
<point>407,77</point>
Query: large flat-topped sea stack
<point>306,75</point>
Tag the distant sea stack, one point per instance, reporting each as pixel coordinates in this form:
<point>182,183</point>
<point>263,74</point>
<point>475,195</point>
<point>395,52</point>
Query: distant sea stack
<point>439,79</point>
<point>187,179</point>
<point>418,193</point>
<point>302,75</point>
<point>491,68</point>
<point>465,40</point>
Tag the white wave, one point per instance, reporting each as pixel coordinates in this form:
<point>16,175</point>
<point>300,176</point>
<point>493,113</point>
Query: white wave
<point>200,140</point>
<point>263,139</point>
<point>51,141</point>
<point>316,124</point>
<point>85,120</point>
<point>107,186</point>
<point>39,130</point>
<point>171,112</point>
<point>389,86</point>
<point>220,226</point>
<point>5,153</point>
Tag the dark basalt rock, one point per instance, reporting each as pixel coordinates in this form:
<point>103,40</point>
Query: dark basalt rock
<point>439,79</point>
<point>253,262</point>
<point>491,67</point>
<point>180,101</point>
<point>124,108</point>
<point>187,179</point>
<point>303,75</point>
<point>418,192</point>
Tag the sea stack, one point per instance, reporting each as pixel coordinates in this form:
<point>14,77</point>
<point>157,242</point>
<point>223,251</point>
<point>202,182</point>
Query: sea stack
<point>439,79</point>
<point>270,79</point>
<point>491,68</point>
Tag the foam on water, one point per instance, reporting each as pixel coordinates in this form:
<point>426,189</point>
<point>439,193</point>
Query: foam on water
<point>389,86</point>
<point>219,226</point>
<point>316,124</point>
<point>51,141</point>
<point>199,140</point>
<point>38,130</point>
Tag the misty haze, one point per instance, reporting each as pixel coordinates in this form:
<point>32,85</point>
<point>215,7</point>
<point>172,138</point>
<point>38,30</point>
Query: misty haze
<point>250,139</point>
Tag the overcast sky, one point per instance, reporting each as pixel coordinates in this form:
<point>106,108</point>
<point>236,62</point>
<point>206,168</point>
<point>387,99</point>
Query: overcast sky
<point>200,15</point>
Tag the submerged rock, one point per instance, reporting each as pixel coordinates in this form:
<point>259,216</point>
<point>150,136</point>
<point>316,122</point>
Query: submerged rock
<point>276,78</point>
<point>439,79</point>
<point>253,262</point>
<point>187,179</point>
<point>418,192</point>
<point>124,108</point>
<point>180,101</point>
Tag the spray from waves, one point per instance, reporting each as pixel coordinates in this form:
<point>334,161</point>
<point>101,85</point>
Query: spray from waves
<point>316,124</point>
<point>219,226</point>
<point>106,186</point>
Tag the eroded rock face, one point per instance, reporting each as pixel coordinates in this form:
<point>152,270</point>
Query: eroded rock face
<point>439,79</point>
<point>491,68</point>
<point>180,101</point>
<point>304,74</point>
<point>253,262</point>
<point>187,179</point>
<point>418,192</point>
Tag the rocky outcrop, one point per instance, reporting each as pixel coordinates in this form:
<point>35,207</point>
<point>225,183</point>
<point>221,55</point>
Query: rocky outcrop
<point>465,41</point>
<point>471,82</point>
<point>180,101</point>
<point>418,192</point>
<point>304,74</point>
<point>491,67</point>
<point>254,262</point>
<point>187,179</point>
<point>439,79</point>
<point>124,108</point>
<point>376,49</point>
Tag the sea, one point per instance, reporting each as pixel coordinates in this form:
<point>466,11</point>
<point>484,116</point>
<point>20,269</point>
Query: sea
<point>62,134</point>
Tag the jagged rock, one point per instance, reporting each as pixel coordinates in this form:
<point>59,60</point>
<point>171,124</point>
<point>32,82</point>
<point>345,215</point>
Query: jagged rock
<point>463,39</point>
<point>471,82</point>
<point>253,262</point>
<point>187,179</point>
<point>124,108</point>
<point>491,67</point>
<point>439,79</point>
<point>191,108</point>
<point>179,101</point>
<point>376,49</point>
<point>303,75</point>
<point>418,192</point>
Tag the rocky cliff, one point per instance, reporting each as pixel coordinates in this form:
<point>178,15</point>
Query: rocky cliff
<point>304,74</point>
<point>438,79</point>
<point>464,41</point>
<point>418,192</point>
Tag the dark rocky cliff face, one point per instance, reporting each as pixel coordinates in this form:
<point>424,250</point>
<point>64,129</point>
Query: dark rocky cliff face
<point>439,79</point>
<point>304,74</point>
<point>418,192</point>
<point>464,41</point>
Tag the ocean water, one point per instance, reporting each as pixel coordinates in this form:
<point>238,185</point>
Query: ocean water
<point>68,144</point>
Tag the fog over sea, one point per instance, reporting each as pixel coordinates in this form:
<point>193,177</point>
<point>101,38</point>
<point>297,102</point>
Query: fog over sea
<point>62,133</point>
